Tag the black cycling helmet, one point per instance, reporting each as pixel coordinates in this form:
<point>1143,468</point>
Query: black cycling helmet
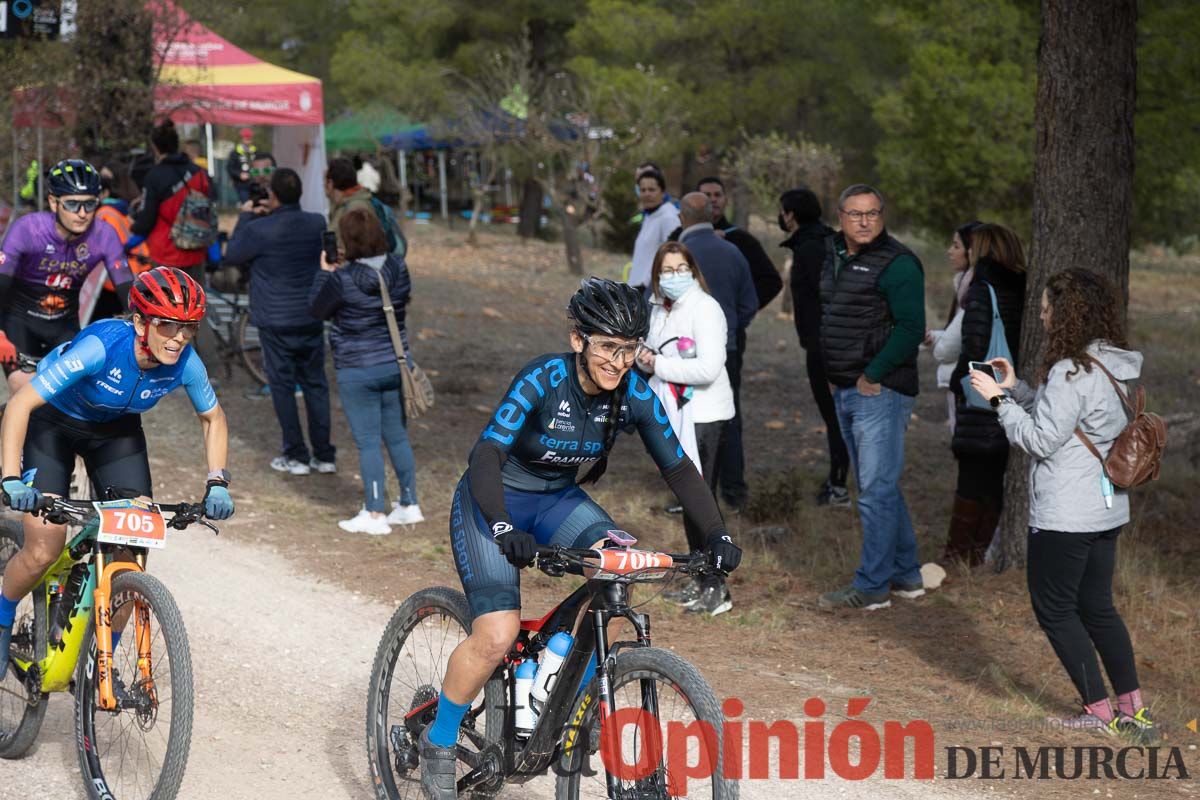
<point>73,176</point>
<point>610,308</point>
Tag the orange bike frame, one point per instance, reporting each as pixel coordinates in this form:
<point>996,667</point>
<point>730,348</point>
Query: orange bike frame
<point>107,571</point>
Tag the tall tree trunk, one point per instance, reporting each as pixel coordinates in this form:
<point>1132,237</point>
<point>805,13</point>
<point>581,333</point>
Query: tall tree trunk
<point>570,227</point>
<point>531,209</point>
<point>1083,180</point>
<point>113,94</point>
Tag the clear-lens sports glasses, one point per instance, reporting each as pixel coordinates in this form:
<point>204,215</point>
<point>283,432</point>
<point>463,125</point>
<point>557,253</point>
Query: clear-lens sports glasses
<point>72,206</point>
<point>616,353</point>
<point>169,328</point>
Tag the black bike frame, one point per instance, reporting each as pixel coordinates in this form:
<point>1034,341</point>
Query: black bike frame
<point>608,599</point>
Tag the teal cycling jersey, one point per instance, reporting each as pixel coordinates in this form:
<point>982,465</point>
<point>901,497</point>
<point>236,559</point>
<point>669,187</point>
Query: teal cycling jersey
<point>548,427</point>
<point>95,376</point>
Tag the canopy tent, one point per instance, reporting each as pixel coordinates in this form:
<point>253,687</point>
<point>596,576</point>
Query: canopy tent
<point>365,130</point>
<point>206,79</point>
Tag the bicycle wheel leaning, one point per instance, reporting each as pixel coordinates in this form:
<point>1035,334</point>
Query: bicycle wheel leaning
<point>22,709</point>
<point>683,698</point>
<point>410,664</point>
<point>245,339</point>
<point>140,750</point>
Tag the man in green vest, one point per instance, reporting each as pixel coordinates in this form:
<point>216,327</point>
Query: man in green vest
<point>240,161</point>
<point>29,190</point>
<point>872,322</point>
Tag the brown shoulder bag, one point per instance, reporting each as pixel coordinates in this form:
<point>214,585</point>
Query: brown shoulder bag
<point>1136,455</point>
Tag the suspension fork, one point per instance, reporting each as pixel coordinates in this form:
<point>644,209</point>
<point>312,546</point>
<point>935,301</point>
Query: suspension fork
<point>107,571</point>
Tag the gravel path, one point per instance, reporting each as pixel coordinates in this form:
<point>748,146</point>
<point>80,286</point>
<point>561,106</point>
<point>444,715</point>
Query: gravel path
<point>282,664</point>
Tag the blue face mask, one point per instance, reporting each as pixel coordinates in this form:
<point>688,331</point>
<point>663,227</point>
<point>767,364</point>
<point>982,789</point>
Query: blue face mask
<point>673,286</point>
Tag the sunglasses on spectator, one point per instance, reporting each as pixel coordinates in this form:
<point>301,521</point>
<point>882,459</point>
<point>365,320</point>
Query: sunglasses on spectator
<point>169,328</point>
<point>616,353</point>
<point>72,206</point>
<point>259,172</point>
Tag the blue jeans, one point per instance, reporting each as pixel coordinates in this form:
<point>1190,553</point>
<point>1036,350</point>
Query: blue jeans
<point>873,428</point>
<point>296,357</point>
<point>375,410</point>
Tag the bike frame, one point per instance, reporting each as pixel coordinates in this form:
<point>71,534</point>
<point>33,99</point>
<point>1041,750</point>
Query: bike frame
<point>55,669</point>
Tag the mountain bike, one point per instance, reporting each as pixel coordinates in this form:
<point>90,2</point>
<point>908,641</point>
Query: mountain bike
<point>622,720</point>
<point>133,707</point>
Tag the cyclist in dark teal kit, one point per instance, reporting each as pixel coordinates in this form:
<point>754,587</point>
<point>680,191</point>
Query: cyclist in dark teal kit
<point>521,489</point>
<point>86,400</point>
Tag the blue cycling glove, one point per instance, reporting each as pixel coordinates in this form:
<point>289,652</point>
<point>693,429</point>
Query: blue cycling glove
<point>132,242</point>
<point>20,497</point>
<point>214,254</point>
<point>217,502</point>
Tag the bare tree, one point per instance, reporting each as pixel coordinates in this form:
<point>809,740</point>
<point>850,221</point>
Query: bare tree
<point>1083,179</point>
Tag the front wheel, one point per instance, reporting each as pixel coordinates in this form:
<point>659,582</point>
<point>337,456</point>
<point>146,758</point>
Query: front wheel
<point>138,751</point>
<point>665,722</point>
<point>22,707</point>
<point>406,680</point>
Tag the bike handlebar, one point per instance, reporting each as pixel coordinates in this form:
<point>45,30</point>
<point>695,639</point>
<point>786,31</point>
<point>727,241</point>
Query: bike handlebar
<point>554,559</point>
<point>62,510</point>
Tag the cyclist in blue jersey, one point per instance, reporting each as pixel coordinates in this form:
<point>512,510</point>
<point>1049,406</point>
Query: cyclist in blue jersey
<point>86,400</point>
<point>44,261</point>
<point>521,489</point>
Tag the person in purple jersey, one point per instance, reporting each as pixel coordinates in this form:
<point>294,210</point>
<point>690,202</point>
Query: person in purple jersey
<point>43,263</point>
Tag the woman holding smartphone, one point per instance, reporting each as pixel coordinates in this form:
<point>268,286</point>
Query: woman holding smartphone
<point>1075,516</point>
<point>978,442</point>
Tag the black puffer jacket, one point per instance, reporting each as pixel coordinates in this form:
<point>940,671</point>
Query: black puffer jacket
<point>976,431</point>
<point>360,336</point>
<point>807,244</point>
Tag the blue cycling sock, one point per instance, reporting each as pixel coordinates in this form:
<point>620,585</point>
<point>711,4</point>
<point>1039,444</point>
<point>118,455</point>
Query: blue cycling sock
<point>444,730</point>
<point>8,611</point>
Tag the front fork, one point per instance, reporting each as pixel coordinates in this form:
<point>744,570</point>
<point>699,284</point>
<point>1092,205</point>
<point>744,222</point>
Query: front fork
<point>106,698</point>
<point>610,739</point>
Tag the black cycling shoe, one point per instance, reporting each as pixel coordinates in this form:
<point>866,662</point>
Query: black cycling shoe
<point>439,769</point>
<point>5,645</point>
<point>686,595</point>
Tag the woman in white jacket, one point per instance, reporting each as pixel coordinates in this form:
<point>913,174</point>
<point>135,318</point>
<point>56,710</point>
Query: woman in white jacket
<point>947,342</point>
<point>685,355</point>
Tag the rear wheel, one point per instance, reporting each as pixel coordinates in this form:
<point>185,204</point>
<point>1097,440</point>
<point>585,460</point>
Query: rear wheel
<point>22,704</point>
<point>644,678</point>
<point>138,751</point>
<point>245,337</point>
<point>406,680</point>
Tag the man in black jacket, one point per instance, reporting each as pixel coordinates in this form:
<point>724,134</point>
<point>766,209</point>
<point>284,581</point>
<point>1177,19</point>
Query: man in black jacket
<point>282,247</point>
<point>800,216</point>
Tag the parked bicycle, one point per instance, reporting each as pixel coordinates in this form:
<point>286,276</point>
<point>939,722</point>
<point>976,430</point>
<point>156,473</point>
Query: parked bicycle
<point>237,338</point>
<point>599,686</point>
<point>133,707</point>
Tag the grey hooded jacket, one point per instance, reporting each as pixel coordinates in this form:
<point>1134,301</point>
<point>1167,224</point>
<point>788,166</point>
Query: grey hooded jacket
<point>1064,477</point>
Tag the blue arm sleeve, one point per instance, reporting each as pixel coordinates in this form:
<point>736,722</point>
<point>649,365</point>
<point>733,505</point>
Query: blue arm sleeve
<point>653,425</point>
<point>67,367</point>
<point>195,381</point>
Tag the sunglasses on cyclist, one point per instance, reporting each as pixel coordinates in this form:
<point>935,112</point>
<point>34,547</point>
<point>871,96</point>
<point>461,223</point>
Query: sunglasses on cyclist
<point>169,328</point>
<point>72,206</point>
<point>616,353</point>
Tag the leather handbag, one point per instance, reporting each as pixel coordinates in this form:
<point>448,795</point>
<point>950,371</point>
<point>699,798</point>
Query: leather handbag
<point>1136,454</point>
<point>414,383</point>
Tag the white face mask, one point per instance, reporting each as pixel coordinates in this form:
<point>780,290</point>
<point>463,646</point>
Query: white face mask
<point>673,286</point>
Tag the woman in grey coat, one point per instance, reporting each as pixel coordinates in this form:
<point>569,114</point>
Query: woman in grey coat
<point>1075,515</point>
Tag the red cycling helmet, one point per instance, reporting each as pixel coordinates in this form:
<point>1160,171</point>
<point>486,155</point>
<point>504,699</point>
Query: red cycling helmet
<point>167,293</point>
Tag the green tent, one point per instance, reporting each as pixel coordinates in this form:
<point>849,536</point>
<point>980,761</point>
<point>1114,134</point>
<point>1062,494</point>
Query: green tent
<point>364,129</point>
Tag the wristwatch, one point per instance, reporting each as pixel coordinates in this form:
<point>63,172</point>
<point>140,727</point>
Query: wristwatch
<point>220,475</point>
<point>998,399</point>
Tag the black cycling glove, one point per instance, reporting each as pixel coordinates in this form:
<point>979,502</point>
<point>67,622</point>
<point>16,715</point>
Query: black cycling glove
<point>519,547</point>
<point>723,554</point>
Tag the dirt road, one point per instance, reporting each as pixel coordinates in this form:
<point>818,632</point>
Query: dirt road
<point>282,662</point>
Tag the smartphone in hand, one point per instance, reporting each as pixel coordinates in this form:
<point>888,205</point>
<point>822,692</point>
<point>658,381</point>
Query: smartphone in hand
<point>985,368</point>
<point>329,244</point>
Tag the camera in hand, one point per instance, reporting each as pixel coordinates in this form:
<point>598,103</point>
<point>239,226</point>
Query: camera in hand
<point>258,193</point>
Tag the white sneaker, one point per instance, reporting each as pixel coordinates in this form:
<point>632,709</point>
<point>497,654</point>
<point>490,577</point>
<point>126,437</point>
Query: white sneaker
<point>290,465</point>
<point>405,515</point>
<point>365,523</point>
<point>323,467</point>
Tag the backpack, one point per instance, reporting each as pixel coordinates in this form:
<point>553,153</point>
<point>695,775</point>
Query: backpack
<point>1135,455</point>
<point>397,245</point>
<point>195,226</point>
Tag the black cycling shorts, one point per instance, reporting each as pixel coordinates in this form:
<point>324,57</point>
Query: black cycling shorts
<point>114,452</point>
<point>37,337</point>
<point>567,517</point>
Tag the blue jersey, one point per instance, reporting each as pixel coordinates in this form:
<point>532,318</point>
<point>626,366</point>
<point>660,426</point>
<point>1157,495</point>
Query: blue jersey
<point>95,377</point>
<point>548,427</point>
